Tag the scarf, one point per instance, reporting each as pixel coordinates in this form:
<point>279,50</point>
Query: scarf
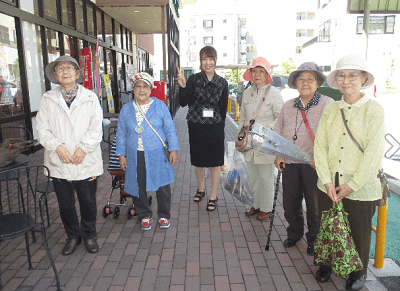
<point>313,101</point>
<point>70,95</point>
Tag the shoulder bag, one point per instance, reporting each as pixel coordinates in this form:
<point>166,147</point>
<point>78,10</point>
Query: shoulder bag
<point>303,114</point>
<point>381,175</point>
<point>241,142</point>
<point>11,148</point>
<point>164,143</point>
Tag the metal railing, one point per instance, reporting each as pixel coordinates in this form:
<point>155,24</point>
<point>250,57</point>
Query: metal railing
<point>237,107</point>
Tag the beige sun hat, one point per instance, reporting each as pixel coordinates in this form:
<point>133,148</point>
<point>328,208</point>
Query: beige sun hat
<point>350,62</point>
<point>50,69</point>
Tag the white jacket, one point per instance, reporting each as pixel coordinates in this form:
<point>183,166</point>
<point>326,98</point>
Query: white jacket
<point>78,126</point>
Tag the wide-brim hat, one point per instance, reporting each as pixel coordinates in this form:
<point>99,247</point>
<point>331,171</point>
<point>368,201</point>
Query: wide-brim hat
<point>258,62</point>
<point>50,72</point>
<point>351,62</point>
<point>143,76</point>
<point>305,67</point>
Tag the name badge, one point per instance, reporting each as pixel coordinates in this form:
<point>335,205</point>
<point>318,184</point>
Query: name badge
<point>208,112</point>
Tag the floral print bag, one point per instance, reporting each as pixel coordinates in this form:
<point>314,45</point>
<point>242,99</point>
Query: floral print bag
<point>334,246</point>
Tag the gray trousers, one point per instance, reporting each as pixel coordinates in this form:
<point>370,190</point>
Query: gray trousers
<point>360,220</point>
<point>163,194</point>
<point>298,181</point>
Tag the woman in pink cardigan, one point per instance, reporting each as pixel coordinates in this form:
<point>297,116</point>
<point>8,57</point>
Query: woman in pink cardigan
<point>300,180</point>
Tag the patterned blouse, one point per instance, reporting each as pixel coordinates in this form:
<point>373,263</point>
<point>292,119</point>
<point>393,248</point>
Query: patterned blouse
<point>200,94</point>
<point>140,118</point>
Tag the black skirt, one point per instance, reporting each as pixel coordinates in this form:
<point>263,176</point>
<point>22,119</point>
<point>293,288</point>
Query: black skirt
<point>206,144</point>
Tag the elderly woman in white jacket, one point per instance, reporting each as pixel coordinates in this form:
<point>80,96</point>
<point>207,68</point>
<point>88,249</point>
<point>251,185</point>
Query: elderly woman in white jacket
<point>69,123</point>
<point>260,165</point>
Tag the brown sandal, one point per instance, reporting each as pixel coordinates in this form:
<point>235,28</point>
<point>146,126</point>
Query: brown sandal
<point>212,204</point>
<point>199,196</point>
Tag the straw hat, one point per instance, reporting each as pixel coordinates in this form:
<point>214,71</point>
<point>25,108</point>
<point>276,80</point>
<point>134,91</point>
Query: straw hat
<point>350,62</point>
<point>50,69</point>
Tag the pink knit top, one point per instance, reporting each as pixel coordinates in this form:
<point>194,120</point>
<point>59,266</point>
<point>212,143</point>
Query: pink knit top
<point>290,123</point>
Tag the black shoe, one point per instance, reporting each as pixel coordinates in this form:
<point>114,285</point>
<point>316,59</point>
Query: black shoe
<point>355,283</point>
<point>310,250</point>
<point>288,243</point>
<point>323,274</point>
<point>91,245</point>
<point>70,246</point>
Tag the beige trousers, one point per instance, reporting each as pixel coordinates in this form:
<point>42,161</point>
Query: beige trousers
<point>262,184</point>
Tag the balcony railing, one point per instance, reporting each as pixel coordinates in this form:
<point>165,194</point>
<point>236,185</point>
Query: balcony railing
<point>319,38</point>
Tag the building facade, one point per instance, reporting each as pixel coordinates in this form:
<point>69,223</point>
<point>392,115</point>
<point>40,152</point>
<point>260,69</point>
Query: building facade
<point>34,33</point>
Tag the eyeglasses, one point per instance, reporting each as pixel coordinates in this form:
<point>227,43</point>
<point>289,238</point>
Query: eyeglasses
<point>66,68</point>
<point>307,80</point>
<point>352,77</point>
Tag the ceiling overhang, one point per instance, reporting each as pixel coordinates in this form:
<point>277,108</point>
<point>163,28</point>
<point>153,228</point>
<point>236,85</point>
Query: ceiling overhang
<point>376,6</point>
<point>139,16</point>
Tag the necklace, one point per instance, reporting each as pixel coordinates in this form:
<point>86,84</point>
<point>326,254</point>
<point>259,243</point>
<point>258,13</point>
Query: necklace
<point>296,129</point>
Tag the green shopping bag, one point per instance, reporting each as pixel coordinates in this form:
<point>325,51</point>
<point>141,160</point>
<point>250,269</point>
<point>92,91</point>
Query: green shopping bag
<point>334,246</point>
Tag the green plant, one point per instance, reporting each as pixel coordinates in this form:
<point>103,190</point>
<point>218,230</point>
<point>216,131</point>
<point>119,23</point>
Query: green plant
<point>388,81</point>
<point>235,75</point>
<point>288,67</point>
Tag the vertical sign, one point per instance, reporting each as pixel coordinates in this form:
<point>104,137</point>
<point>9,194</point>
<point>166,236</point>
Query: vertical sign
<point>85,60</point>
<point>110,98</point>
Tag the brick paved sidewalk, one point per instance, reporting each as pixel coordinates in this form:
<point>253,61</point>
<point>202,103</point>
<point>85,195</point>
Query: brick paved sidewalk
<point>219,250</point>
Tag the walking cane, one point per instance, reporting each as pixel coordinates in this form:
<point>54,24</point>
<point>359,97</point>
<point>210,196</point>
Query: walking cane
<point>271,220</point>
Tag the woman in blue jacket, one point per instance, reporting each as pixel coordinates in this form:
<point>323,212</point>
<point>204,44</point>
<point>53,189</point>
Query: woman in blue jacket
<point>141,152</point>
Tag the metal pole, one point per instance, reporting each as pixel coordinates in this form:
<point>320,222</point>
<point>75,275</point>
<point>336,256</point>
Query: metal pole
<point>366,25</point>
<point>381,236</point>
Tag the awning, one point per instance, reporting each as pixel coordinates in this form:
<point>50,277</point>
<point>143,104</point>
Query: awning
<point>376,6</point>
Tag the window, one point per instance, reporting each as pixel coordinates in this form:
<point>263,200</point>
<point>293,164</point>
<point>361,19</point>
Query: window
<point>99,24</point>
<point>298,49</point>
<point>66,12</point>
<point>225,55</point>
<point>80,22</point>
<point>310,32</point>
<point>311,16</point>
<point>208,40</point>
<point>225,37</point>
<point>300,32</point>
<point>192,57</point>
<point>90,24</point>
<point>377,24</point>
<point>50,9</point>
<point>301,15</point>
<point>225,21</point>
<point>207,23</point>
<point>243,37</point>
<point>324,31</point>
<point>243,22</point>
<point>108,29</point>
<point>326,68</point>
<point>4,35</point>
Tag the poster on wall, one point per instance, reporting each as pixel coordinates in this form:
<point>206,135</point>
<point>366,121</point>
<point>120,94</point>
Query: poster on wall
<point>110,98</point>
<point>85,62</point>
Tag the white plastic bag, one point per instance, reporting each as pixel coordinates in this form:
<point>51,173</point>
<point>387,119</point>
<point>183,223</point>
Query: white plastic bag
<point>235,176</point>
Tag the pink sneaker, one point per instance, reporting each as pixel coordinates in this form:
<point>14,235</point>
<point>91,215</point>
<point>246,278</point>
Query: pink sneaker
<point>146,223</point>
<point>164,223</point>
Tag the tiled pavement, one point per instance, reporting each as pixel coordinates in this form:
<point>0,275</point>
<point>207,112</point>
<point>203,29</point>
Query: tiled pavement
<point>220,250</point>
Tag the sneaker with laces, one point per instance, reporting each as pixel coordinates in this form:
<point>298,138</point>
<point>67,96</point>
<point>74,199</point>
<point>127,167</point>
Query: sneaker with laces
<point>164,223</point>
<point>146,223</point>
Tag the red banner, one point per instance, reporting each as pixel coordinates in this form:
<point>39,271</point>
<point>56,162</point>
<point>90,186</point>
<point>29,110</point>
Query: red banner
<point>85,60</point>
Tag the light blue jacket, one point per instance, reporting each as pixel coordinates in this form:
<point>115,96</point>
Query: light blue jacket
<point>159,171</point>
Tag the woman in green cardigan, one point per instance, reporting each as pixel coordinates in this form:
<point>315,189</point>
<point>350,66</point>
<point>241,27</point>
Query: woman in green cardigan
<point>335,151</point>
